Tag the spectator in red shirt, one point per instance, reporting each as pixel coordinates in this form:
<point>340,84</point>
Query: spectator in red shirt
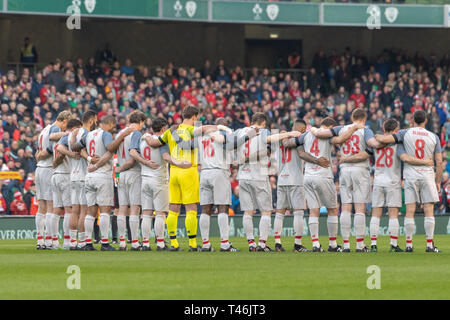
<point>358,97</point>
<point>18,206</point>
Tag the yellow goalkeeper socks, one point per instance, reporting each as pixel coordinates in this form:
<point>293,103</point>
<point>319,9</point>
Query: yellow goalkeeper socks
<point>172,220</point>
<point>191,227</point>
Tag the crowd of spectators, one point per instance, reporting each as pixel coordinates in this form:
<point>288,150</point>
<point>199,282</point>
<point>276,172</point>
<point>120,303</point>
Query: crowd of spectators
<point>395,84</point>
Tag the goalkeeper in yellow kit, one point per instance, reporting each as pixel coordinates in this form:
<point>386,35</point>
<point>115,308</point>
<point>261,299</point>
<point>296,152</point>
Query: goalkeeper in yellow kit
<point>183,183</point>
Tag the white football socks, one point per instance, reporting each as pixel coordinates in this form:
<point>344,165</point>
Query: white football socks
<point>104,227</point>
<point>40,227</point>
<point>247,222</point>
<point>429,230</point>
<point>360,229</point>
<point>159,230</point>
<point>332,224</point>
<point>374,230</point>
<point>346,226</point>
<point>146,228</point>
<point>134,228</point>
<point>48,229</point>
<point>205,221</point>
<point>222,220</point>
<point>89,228</point>
<point>66,229</point>
<point>278,227</point>
<point>121,229</point>
<point>264,229</point>
<point>298,227</point>
<point>314,230</point>
<point>393,229</point>
<point>409,231</point>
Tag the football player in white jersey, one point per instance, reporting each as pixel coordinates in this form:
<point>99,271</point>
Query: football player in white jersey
<point>215,188</point>
<point>387,185</point>
<point>45,218</point>
<point>61,179</point>
<point>78,171</point>
<point>422,183</point>
<point>155,183</point>
<point>129,187</point>
<point>319,186</point>
<point>354,181</point>
<point>254,187</point>
<point>99,183</point>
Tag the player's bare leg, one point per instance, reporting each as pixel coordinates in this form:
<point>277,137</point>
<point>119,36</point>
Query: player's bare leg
<point>89,227</point>
<point>393,229</point>
<point>104,224</point>
<point>374,228</point>
<point>264,230</point>
<point>40,224</point>
<point>191,223</point>
<point>278,228</point>
<point>332,224</point>
<point>346,224</point>
<point>429,224</point>
<point>122,226</point>
<point>172,221</point>
<point>146,228</point>
<point>134,227</point>
<point>81,231</point>
<point>314,229</point>
<point>205,222</point>
<point>247,222</point>
<point>160,217</point>
<point>409,225</point>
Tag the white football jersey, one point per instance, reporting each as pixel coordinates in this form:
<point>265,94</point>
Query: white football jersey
<point>154,154</point>
<point>213,155</point>
<point>387,167</point>
<point>317,148</point>
<point>356,144</point>
<point>78,168</point>
<point>44,143</point>
<point>290,167</point>
<point>96,147</point>
<point>123,152</point>
<point>257,168</point>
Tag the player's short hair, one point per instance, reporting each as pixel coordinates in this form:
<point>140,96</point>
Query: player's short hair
<point>420,116</point>
<point>221,121</point>
<point>64,115</point>
<point>108,119</point>
<point>259,118</point>
<point>73,123</point>
<point>390,125</point>
<point>190,111</point>
<point>359,114</point>
<point>328,122</point>
<point>300,121</point>
<point>158,124</point>
<point>88,115</point>
<point>137,117</point>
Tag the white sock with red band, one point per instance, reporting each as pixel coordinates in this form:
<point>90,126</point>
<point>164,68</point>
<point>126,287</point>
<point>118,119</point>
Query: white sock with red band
<point>409,231</point>
<point>314,230</point>
<point>278,227</point>
<point>104,227</point>
<point>89,228</point>
<point>134,228</point>
<point>346,226</point>
<point>222,220</point>
<point>298,226</point>
<point>40,226</point>
<point>332,224</point>
<point>247,222</point>
<point>205,221</point>
<point>374,230</point>
<point>66,229</point>
<point>360,229</point>
<point>429,230</point>
<point>121,229</point>
<point>264,230</point>
<point>393,231</point>
<point>146,228</point>
<point>159,230</point>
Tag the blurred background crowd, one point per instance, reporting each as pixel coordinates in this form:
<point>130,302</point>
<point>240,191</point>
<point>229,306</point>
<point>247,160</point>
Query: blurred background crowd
<point>393,85</point>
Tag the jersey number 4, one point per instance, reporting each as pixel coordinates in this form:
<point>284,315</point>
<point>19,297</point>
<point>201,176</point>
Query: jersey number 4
<point>315,147</point>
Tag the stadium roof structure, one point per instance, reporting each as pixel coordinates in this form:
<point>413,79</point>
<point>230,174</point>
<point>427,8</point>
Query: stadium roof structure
<point>249,12</point>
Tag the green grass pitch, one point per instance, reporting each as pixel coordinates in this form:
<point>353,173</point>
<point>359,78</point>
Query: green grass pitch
<point>29,274</point>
